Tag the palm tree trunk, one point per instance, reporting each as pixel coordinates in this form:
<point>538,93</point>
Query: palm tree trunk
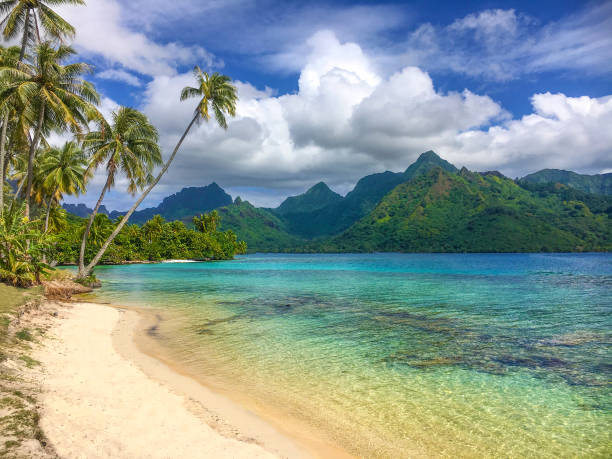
<point>89,223</point>
<point>2,154</point>
<point>32,153</point>
<point>125,218</point>
<point>49,209</point>
<point>44,258</point>
<point>20,187</point>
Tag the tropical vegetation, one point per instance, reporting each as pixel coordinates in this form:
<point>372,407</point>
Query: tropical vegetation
<point>430,207</point>
<point>44,91</point>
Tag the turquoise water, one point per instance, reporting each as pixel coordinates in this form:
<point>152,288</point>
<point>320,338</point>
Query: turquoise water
<point>398,355</point>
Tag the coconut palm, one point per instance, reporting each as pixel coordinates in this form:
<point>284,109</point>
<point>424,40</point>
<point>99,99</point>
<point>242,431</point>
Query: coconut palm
<point>57,220</point>
<point>127,146</point>
<point>99,230</point>
<point>8,58</point>
<point>153,228</point>
<point>62,171</point>
<point>28,17</point>
<point>51,95</point>
<point>216,94</point>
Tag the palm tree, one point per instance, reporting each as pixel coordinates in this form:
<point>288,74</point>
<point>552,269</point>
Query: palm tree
<point>100,230</point>
<point>153,228</point>
<point>8,58</point>
<point>216,93</point>
<point>63,171</point>
<point>28,17</point>
<point>127,146</point>
<point>51,95</point>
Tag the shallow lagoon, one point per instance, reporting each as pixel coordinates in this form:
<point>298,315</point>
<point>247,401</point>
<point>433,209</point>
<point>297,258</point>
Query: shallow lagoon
<point>399,354</point>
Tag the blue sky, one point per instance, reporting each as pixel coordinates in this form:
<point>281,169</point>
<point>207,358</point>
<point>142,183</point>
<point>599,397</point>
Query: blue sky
<point>336,90</point>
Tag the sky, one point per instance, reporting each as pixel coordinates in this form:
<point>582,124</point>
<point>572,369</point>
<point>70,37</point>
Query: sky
<point>334,91</point>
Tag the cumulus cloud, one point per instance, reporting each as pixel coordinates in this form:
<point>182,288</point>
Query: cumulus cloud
<point>102,33</point>
<point>357,109</point>
<point>347,119</point>
<point>563,132</point>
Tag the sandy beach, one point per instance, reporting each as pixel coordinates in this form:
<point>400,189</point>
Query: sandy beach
<point>102,397</point>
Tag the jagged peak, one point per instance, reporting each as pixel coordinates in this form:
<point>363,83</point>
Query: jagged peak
<point>321,186</point>
<point>425,161</point>
<point>428,156</point>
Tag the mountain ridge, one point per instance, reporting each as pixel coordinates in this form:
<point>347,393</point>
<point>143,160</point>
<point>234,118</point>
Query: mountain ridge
<point>596,184</point>
<point>459,211</point>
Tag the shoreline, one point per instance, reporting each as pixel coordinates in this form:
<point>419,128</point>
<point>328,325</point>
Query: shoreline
<point>93,333</point>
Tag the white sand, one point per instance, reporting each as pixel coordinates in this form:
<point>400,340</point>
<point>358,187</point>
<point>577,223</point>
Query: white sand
<point>97,403</point>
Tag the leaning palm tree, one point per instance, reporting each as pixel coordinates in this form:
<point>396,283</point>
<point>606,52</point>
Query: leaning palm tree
<point>28,17</point>
<point>63,171</point>
<point>51,95</point>
<point>216,94</point>
<point>129,147</point>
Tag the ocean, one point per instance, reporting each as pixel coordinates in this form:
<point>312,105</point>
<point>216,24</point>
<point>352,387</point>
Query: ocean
<point>399,355</point>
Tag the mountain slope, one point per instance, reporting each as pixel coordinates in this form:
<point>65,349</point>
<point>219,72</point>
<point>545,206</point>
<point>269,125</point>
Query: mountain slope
<point>426,162</point>
<point>447,212</point>
<point>81,210</point>
<point>367,193</point>
<point>259,228</point>
<point>183,205</point>
<point>317,197</point>
<point>596,184</point>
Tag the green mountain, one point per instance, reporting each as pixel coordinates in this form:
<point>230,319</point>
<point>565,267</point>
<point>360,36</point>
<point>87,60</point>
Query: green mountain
<point>595,184</point>
<point>443,211</point>
<point>259,228</point>
<point>314,199</point>
<point>430,207</point>
<point>426,162</point>
<point>342,213</point>
<point>81,210</point>
<point>183,205</point>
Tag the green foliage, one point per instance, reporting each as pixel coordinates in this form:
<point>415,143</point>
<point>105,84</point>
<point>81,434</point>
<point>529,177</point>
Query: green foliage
<point>215,92</point>
<point>24,335</point>
<point>471,212</point>
<point>183,205</point>
<point>594,184</point>
<point>259,228</point>
<point>315,198</point>
<point>24,16</point>
<point>156,240</point>
<point>127,145</point>
<point>89,280</point>
<point>431,207</point>
<point>333,215</point>
<point>22,248</point>
<point>207,223</point>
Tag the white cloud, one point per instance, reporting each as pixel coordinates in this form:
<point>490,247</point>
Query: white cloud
<point>101,32</point>
<point>503,44</point>
<point>348,120</point>
<point>563,132</point>
<point>120,75</point>
<point>357,110</point>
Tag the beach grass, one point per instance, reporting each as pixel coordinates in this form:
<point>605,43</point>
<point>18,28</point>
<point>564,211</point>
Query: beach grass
<point>19,417</point>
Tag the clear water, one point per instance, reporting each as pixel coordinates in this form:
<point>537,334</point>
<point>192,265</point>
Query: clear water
<point>397,355</point>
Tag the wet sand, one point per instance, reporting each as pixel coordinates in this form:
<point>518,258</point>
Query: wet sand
<point>103,397</point>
